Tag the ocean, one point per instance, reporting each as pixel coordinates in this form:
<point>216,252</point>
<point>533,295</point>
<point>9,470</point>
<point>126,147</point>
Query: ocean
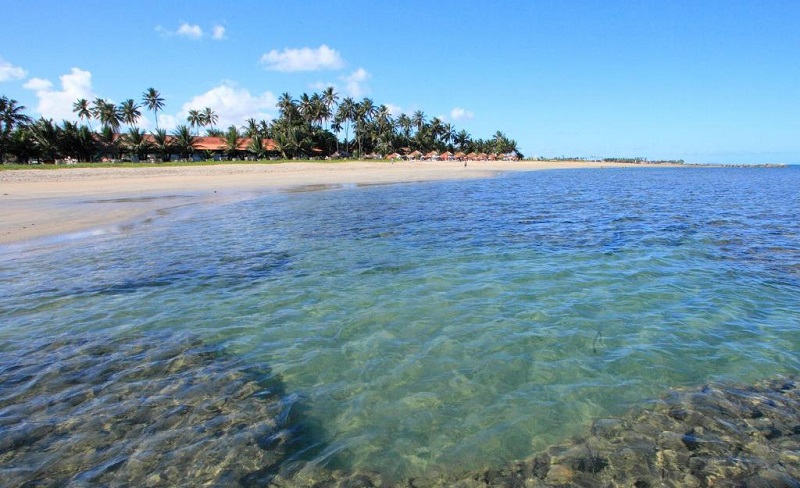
<point>407,330</point>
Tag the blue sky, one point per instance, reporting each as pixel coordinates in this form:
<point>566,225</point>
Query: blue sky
<point>705,81</point>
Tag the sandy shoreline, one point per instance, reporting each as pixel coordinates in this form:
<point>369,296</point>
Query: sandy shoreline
<point>47,203</point>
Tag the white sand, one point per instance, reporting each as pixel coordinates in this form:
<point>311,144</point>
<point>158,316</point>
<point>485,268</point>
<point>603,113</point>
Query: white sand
<point>44,203</point>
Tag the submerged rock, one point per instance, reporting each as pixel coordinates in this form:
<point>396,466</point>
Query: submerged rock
<point>149,410</point>
<point>718,435</point>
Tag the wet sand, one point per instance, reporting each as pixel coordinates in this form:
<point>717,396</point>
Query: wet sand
<point>45,203</point>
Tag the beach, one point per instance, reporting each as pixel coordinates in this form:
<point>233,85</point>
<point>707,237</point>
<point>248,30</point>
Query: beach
<point>45,203</point>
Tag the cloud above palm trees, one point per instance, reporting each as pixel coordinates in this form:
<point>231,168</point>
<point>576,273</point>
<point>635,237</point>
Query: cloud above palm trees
<point>233,104</point>
<point>303,59</point>
<point>459,113</point>
<point>10,72</point>
<point>57,103</point>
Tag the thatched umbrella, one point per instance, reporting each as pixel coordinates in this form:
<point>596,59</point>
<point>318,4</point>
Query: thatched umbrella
<point>459,155</point>
<point>472,156</point>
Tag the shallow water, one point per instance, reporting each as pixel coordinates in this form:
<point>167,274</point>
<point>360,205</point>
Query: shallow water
<point>434,328</point>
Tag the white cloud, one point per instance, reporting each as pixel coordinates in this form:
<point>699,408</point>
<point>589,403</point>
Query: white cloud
<point>303,59</point>
<point>355,83</point>
<point>233,105</point>
<point>192,31</point>
<point>57,104</point>
<point>459,113</point>
<point>395,110</point>
<point>10,72</point>
<point>38,84</point>
<point>218,33</point>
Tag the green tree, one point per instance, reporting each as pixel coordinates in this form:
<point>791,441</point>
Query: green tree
<point>209,118</point>
<point>256,146</point>
<point>83,110</point>
<point>46,138</point>
<point>183,141</point>
<point>195,119</point>
<point>232,142</point>
<point>162,143</point>
<point>137,143</point>
<point>11,115</point>
<point>153,101</point>
<point>130,113</point>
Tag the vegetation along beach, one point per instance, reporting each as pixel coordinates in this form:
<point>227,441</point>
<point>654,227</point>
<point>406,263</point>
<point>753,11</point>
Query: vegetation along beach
<point>428,245</point>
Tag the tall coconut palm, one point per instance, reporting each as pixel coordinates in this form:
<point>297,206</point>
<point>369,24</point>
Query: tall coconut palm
<point>250,128</point>
<point>129,110</point>
<point>418,119</point>
<point>195,119</point>
<point>11,115</point>
<point>287,106</point>
<point>107,113</point>
<point>153,101</point>
<point>346,114</point>
<point>306,106</point>
<point>461,139</point>
<point>83,110</point>
<point>210,117</point>
<point>330,98</point>
<point>365,112</point>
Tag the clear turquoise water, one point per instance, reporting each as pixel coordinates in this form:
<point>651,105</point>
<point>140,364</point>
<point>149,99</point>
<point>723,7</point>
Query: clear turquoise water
<point>436,327</point>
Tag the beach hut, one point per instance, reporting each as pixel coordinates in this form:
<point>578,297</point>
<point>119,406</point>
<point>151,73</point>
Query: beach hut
<point>432,156</point>
<point>482,157</point>
<point>459,156</point>
<point>446,156</point>
<point>472,156</point>
<point>393,156</point>
<point>415,155</point>
<point>493,157</point>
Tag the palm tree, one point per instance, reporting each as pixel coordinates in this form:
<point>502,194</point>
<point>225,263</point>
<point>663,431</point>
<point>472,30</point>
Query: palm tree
<point>109,142</point>
<point>256,146</point>
<point>46,137</point>
<point>210,117</point>
<point>130,112</point>
<point>195,119</point>
<point>448,133</point>
<point>329,98</point>
<point>81,107</point>
<point>306,107</point>
<point>251,127</point>
<point>11,115</point>
<point>137,143</point>
<point>184,141</point>
<point>107,113</point>
<point>231,141</point>
<point>418,119</point>
<point>162,143</point>
<point>405,123</point>
<point>153,101</point>
<point>346,114</point>
<point>22,144</point>
<point>286,106</point>
<point>462,139</point>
